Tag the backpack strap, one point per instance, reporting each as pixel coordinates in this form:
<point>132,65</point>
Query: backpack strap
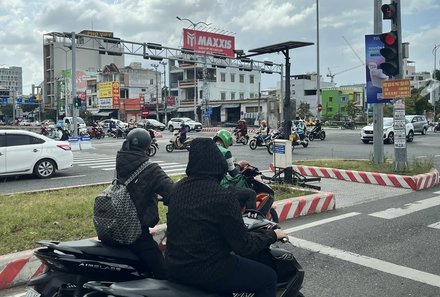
<point>141,168</point>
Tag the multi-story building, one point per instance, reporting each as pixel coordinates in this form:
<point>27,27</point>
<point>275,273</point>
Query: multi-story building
<point>57,64</point>
<point>11,81</point>
<point>335,101</point>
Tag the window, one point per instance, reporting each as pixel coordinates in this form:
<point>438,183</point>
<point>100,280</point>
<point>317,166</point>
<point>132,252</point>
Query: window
<point>242,78</point>
<point>343,99</point>
<point>241,95</point>
<point>143,90</point>
<point>2,140</point>
<point>250,109</point>
<point>252,95</point>
<point>223,95</point>
<point>223,77</point>
<point>309,92</point>
<point>232,95</point>
<point>151,82</point>
<point>19,139</point>
<point>330,99</point>
<point>251,79</point>
<point>232,77</point>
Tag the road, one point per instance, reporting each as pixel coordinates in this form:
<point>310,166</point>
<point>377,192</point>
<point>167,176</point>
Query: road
<point>380,241</point>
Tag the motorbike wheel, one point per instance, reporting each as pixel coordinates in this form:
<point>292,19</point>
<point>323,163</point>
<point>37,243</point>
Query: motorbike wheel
<point>152,151</point>
<point>273,215</point>
<point>270,148</point>
<point>253,144</point>
<point>311,136</point>
<point>305,144</point>
<point>169,147</point>
<point>322,135</point>
<point>245,141</point>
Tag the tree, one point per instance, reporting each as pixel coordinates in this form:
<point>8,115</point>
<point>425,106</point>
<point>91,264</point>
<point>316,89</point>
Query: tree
<point>304,110</point>
<point>352,109</point>
<point>6,109</point>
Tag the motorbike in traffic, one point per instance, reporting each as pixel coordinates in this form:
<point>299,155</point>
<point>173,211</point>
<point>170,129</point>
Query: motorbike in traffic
<point>295,137</point>
<point>96,132</point>
<point>316,132</point>
<point>176,145</point>
<point>259,140</point>
<point>243,139</point>
<point>437,127</point>
<point>154,147</point>
<point>289,271</point>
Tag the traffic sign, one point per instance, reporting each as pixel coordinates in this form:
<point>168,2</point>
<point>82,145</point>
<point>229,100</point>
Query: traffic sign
<point>145,112</point>
<point>5,100</point>
<point>397,88</point>
<point>319,107</point>
<point>19,101</point>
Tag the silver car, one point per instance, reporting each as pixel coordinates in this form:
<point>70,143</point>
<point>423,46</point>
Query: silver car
<point>419,122</point>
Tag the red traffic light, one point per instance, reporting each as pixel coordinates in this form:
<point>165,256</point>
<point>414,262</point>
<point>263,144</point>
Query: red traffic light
<point>389,11</point>
<point>388,38</point>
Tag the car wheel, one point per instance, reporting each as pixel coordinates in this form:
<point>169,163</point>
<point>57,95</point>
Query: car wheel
<point>45,168</point>
<point>253,144</point>
<point>424,131</point>
<point>171,128</point>
<point>390,138</point>
<point>365,141</point>
<point>169,148</point>
<point>410,136</point>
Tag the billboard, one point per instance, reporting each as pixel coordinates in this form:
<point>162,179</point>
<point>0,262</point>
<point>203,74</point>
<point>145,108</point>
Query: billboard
<point>374,75</point>
<point>208,42</point>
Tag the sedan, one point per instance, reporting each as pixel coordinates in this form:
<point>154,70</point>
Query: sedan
<point>151,124</point>
<point>24,152</point>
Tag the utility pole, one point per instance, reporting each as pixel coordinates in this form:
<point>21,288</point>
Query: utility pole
<point>72,108</point>
<point>157,91</point>
<point>318,78</point>
<point>164,91</point>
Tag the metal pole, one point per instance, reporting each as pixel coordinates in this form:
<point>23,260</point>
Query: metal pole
<point>157,92</point>
<point>195,76</point>
<point>164,99</point>
<point>434,91</point>
<point>318,79</point>
<point>74,120</point>
<point>378,147</point>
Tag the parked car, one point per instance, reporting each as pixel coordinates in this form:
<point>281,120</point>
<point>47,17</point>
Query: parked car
<point>105,123</point>
<point>24,123</point>
<point>419,122</point>
<point>151,123</point>
<point>24,152</point>
<point>388,131</point>
<point>190,124</point>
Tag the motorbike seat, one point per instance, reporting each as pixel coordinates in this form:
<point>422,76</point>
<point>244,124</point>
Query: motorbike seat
<point>95,247</point>
<point>153,287</point>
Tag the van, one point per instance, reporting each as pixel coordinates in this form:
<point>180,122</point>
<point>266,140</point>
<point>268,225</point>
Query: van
<point>68,123</point>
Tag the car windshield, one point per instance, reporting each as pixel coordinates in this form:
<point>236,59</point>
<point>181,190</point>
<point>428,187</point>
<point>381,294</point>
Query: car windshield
<point>154,122</point>
<point>387,122</point>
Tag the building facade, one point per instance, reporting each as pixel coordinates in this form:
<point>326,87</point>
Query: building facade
<point>335,101</point>
<point>11,81</point>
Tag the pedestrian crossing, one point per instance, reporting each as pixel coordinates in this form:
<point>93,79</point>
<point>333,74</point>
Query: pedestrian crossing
<point>108,163</point>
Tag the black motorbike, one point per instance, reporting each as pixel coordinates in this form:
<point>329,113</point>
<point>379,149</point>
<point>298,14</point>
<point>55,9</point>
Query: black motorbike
<point>90,268</point>
<point>437,128</point>
<point>154,147</point>
<point>316,132</point>
<point>259,140</point>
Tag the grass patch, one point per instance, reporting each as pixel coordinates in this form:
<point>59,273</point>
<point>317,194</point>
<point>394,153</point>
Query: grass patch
<point>63,215</point>
<point>416,166</point>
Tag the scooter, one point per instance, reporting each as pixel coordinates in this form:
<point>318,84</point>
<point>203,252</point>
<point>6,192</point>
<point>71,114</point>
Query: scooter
<point>176,145</point>
<point>258,141</point>
<point>152,150</point>
<point>96,132</point>
<point>316,132</point>
<point>294,137</point>
<point>437,128</point>
<point>243,139</point>
<point>290,274</point>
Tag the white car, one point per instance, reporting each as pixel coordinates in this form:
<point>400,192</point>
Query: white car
<point>388,131</point>
<point>24,152</point>
<point>190,124</point>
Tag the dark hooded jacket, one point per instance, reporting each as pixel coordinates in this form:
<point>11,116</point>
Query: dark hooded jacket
<point>205,224</point>
<point>153,180</point>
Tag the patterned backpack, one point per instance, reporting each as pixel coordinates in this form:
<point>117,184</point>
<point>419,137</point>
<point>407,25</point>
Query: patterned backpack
<point>114,213</point>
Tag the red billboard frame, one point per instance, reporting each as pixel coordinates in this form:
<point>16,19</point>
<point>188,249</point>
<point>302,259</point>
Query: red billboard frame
<point>210,43</point>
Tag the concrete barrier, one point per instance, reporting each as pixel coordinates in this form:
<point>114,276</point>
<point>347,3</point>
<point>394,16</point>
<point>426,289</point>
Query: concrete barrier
<point>85,143</point>
<point>74,143</point>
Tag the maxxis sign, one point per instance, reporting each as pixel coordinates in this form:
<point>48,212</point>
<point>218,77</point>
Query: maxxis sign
<point>208,42</point>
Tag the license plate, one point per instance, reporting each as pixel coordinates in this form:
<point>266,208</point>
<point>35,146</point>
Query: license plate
<point>32,293</point>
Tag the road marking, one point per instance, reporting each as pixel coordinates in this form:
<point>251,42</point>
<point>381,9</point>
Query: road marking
<point>91,161</point>
<point>321,222</point>
<point>373,263</point>
<point>70,176</point>
<point>435,225</point>
<point>392,213</point>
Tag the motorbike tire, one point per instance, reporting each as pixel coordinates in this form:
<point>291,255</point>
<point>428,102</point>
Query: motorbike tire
<point>270,148</point>
<point>273,215</point>
<point>311,136</point>
<point>305,144</point>
<point>152,150</point>
<point>245,141</point>
<point>169,147</point>
<point>253,144</point>
<point>321,135</point>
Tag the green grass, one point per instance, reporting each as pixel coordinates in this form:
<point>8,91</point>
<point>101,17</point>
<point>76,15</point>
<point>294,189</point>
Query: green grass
<point>62,215</point>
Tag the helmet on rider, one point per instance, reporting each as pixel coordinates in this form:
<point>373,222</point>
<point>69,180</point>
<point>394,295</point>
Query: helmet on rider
<point>225,137</point>
<point>137,139</point>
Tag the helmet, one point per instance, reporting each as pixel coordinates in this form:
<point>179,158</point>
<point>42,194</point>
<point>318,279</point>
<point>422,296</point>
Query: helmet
<point>139,139</point>
<point>225,136</point>
<point>263,122</point>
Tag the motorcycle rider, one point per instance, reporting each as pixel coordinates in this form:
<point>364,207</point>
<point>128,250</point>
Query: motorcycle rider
<point>204,227</point>
<point>301,129</point>
<point>263,131</point>
<point>153,180</point>
<point>182,135</point>
<point>241,129</point>
<point>246,196</point>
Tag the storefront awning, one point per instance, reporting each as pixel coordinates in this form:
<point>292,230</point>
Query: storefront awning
<point>102,113</point>
<point>185,109</point>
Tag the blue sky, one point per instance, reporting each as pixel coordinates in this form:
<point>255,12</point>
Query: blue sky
<point>255,23</point>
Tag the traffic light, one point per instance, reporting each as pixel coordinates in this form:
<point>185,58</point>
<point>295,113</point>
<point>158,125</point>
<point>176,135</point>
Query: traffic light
<point>77,102</point>
<point>390,52</point>
<point>389,11</point>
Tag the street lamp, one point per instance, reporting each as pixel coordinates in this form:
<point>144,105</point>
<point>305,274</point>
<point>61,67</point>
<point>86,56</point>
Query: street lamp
<point>157,91</point>
<point>164,99</point>
<point>433,90</point>
<point>195,64</point>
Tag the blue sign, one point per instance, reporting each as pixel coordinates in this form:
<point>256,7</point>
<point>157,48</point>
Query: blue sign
<point>5,100</point>
<point>30,101</point>
<point>19,101</point>
<point>279,149</point>
<point>374,73</point>
<point>210,109</point>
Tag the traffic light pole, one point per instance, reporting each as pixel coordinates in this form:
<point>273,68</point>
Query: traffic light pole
<point>400,149</point>
<point>378,148</point>
<point>72,98</point>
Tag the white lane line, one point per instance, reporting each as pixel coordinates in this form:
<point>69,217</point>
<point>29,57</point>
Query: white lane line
<point>103,165</point>
<point>392,213</point>
<point>435,225</point>
<point>70,176</point>
<point>321,222</point>
<point>93,161</point>
<point>172,170</point>
<point>387,267</point>
<point>112,168</point>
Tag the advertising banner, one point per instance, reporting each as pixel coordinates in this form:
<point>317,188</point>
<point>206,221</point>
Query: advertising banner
<point>105,89</point>
<point>116,94</point>
<point>171,101</point>
<point>374,75</point>
<point>208,42</point>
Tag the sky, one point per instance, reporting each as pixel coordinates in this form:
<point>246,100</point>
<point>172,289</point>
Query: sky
<point>343,25</point>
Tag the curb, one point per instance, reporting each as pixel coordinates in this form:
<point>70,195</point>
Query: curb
<point>216,129</point>
<point>18,268</point>
<point>415,182</point>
